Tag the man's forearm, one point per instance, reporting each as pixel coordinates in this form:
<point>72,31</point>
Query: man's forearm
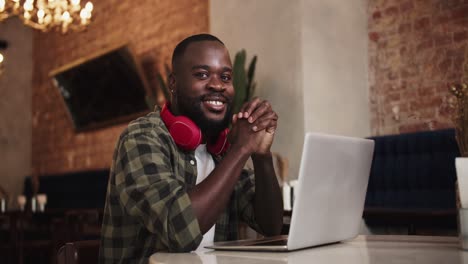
<point>210,197</point>
<point>268,199</point>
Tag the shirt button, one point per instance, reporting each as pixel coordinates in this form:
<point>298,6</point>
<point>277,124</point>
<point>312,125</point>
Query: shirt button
<point>192,162</point>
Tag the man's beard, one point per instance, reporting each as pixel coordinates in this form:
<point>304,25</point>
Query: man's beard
<point>192,108</point>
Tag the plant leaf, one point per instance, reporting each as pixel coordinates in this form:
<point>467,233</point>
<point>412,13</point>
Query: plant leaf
<point>239,80</point>
<point>250,77</point>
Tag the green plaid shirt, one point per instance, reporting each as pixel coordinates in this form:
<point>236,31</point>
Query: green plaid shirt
<point>147,206</point>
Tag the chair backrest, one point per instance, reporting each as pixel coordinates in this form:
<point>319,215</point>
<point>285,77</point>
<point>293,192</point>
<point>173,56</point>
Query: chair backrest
<point>79,252</point>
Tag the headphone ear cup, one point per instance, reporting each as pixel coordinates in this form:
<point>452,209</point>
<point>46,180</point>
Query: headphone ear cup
<point>221,144</point>
<point>184,131</point>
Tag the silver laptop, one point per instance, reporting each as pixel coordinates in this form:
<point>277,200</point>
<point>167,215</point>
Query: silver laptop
<point>329,202</point>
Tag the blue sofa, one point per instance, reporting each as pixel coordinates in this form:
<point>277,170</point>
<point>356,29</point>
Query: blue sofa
<point>412,181</point>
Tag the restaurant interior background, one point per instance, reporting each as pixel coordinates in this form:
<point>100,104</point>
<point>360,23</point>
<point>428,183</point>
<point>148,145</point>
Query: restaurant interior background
<point>357,68</point>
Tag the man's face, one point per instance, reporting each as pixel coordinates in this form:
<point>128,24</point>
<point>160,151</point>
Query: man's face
<point>202,84</point>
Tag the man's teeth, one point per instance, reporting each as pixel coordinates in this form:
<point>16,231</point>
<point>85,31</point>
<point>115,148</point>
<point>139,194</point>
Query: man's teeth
<point>215,102</point>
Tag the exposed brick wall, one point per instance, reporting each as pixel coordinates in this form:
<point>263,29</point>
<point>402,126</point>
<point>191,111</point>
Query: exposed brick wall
<point>416,47</point>
<point>152,27</point>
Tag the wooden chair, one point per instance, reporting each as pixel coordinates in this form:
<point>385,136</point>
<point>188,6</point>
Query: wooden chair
<point>83,224</point>
<point>79,252</point>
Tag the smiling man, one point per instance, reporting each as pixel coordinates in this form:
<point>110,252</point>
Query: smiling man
<point>177,180</point>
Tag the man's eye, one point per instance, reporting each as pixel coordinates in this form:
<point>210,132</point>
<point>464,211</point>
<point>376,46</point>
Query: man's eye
<point>226,78</point>
<point>201,75</point>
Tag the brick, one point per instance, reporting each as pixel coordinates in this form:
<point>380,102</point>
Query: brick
<point>391,11</point>
<point>425,91</point>
<point>437,125</point>
<point>376,15</point>
<point>408,128</point>
<point>457,52</point>
<point>403,51</point>
<point>428,114</point>
<point>446,111</point>
<point>442,19</point>
<point>409,72</point>
<point>406,6</point>
<point>458,63</point>
<point>445,64</point>
<point>392,97</point>
<point>392,75</point>
<point>422,23</point>
<point>459,13</point>
<point>424,7</point>
<point>408,94</point>
<point>442,40</point>
<point>449,4</point>
<point>404,28</point>
<point>425,102</point>
<point>460,36</point>
<point>424,45</point>
<point>374,36</point>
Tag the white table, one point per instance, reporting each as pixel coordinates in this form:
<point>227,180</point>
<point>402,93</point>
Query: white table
<point>363,249</point>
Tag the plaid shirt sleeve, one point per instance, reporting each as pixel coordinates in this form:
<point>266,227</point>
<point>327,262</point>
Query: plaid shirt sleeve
<point>152,193</point>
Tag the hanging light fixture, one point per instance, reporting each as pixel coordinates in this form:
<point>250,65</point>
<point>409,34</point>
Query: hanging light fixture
<point>46,15</point>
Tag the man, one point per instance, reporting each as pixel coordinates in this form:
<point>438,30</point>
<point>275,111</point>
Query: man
<point>165,195</point>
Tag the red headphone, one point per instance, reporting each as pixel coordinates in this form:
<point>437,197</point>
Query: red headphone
<point>187,135</point>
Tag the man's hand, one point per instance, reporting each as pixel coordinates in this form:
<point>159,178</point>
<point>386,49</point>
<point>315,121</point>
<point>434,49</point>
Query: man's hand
<point>262,119</point>
<point>244,137</point>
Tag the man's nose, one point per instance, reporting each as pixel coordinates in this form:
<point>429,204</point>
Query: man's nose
<point>216,84</point>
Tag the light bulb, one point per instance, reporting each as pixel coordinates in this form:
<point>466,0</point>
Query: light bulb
<point>89,6</point>
<point>75,2</point>
<point>83,14</point>
<point>28,6</point>
<point>66,16</point>
<point>1,58</point>
<point>26,15</point>
<point>40,14</point>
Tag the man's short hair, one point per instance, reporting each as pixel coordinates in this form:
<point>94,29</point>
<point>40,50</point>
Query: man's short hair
<point>182,46</point>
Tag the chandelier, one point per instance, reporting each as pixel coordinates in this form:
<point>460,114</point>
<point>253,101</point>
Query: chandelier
<point>45,15</point>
